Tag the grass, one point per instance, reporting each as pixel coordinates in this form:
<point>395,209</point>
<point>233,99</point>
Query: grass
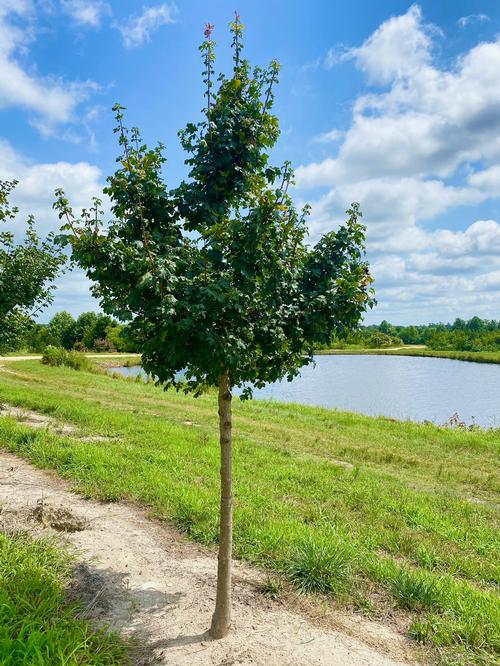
<point>37,625</point>
<point>474,357</point>
<point>321,565</point>
<point>374,513</point>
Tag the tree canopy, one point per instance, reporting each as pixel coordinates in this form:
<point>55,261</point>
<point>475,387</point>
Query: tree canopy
<point>27,269</point>
<point>215,274</point>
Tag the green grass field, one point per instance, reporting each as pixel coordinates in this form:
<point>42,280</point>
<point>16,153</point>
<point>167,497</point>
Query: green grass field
<point>376,514</point>
<point>473,357</point>
<point>38,626</point>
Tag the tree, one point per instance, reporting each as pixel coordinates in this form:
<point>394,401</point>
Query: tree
<point>37,338</point>
<point>120,339</point>
<point>475,324</point>
<point>61,330</point>
<point>214,276</point>
<point>102,326</point>
<point>27,270</point>
<point>84,329</point>
<point>386,328</point>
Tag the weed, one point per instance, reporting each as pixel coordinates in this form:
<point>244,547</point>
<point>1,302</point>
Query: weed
<point>272,588</point>
<point>57,356</point>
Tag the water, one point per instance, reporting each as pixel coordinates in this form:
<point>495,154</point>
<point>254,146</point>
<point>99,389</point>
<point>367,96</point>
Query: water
<point>401,387</point>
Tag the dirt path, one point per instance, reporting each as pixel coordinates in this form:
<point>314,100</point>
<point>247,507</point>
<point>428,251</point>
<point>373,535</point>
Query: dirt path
<point>144,579</point>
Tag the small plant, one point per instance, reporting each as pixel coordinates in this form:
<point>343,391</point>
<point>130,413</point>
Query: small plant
<point>456,422</point>
<point>364,605</point>
<point>322,566</point>
<point>427,558</point>
<point>272,588</point>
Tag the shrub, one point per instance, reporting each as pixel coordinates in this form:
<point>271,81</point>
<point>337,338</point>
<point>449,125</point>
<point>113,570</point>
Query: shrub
<point>272,588</point>
<point>72,359</point>
<point>54,355</point>
<point>78,361</point>
<point>104,345</point>
<point>379,340</point>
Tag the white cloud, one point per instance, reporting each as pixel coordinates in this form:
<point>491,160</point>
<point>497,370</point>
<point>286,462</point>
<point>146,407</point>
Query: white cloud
<point>464,21</point>
<point>51,100</point>
<point>480,238</point>
<point>487,180</point>
<point>86,12</point>
<point>138,29</point>
<point>392,207</point>
<point>72,294</point>
<point>396,49</point>
<point>329,137</point>
<point>37,182</point>
<point>333,57</point>
<point>422,142</point>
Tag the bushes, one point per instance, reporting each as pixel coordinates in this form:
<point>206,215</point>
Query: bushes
<point>72,359</point>
<point>379,340</point>
<point>104,345</point>
<point>465,341</point>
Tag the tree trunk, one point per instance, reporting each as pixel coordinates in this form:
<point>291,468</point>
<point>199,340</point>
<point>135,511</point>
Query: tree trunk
<point>221,618</point>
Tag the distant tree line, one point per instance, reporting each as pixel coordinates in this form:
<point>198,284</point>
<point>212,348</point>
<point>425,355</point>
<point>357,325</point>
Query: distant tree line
<point>474,334</point>
<point>99,332</point>
<point>89,332</point>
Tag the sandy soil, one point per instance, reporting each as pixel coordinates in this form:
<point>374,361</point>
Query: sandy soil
<point>143,578</point>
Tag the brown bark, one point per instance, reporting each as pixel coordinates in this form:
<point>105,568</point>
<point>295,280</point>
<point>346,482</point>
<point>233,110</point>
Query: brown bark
<point>221,618</point>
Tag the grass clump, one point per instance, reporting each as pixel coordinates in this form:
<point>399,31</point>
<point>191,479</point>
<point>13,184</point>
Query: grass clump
<point>321,566</point>
<point>58,356</point>
<point>37,625</point>
<point>414,591</point>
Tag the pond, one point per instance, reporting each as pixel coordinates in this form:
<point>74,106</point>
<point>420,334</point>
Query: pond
<point>402,387</point>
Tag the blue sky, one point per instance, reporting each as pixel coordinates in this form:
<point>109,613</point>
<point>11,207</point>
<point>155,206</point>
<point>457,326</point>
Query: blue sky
<point>391,104</point>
